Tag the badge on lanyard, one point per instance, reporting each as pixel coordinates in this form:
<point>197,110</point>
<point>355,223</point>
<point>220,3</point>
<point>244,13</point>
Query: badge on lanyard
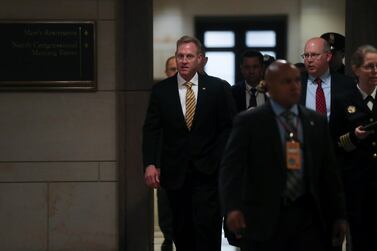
<point>293,155</point>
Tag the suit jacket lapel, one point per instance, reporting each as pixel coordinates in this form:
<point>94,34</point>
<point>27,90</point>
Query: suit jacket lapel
<point>200,102</point>
<point>334,92</point>
<point>374,110</point>
<point>307,128</point>
<point>304,83</point>
<point>242,96</point>
<point>275,138</point>
<point>238,91</point>
<point>176,102</point>
<point>359,101</point>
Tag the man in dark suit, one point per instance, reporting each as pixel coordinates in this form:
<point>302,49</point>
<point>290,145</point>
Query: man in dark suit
<point>163,207</point>
<point>278,180</point>
<point>320,86</point>
<point>337,44</point>
<point>248,93</point>
<point>186,127</point>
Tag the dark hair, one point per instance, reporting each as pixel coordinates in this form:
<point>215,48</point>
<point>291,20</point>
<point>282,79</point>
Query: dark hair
<point>187,39</point>
<point>357,58</point>
<point>267,60</point>
<point>252,54</point>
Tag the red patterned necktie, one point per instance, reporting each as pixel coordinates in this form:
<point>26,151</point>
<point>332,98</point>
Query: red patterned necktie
<point>320,101</point>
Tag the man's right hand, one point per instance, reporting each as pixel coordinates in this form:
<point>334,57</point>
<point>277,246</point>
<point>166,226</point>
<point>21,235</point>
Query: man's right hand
<point>152,176</point>
<point>236,222</point>
<point>361,133</point>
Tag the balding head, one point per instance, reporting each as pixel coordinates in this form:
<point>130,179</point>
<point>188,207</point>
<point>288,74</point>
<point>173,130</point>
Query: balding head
<point>317,56</point>
<point>283,83</point>
<point>273,70</point>
<point>171,66</point>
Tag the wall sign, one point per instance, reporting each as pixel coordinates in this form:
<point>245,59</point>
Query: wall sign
<point>39,55</point>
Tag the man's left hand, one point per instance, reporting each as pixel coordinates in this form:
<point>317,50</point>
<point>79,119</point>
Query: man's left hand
<point>340,230</point>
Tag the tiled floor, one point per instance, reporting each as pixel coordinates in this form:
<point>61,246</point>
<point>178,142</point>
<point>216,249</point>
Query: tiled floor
<point>158,238</point>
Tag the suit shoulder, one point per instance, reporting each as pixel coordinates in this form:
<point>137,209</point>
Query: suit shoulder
<point>304,77</point>
<point>342,79</point>
<point>215,81</point>
<point>255,114</point>
<point>237,86</point>
<point>311,114</point>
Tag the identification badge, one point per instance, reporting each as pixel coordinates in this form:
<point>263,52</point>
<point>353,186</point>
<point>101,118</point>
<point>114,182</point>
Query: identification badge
<point>293,155</point>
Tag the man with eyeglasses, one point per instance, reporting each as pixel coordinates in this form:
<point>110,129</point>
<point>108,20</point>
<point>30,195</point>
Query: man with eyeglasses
<point>320,86</point>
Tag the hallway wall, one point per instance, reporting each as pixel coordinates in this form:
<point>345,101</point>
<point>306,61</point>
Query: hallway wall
<point>58,163</point>
<point>306,19</point>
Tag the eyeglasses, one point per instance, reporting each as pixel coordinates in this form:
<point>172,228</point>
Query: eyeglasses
<point>370,67</point>
<point>312,55</point>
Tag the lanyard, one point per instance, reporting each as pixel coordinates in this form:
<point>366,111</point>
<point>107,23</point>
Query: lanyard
<point>291,132</point>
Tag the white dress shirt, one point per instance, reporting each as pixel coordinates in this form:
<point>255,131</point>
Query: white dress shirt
<point>259,96</point>
<point>312,89</point>
<point>364,95</point>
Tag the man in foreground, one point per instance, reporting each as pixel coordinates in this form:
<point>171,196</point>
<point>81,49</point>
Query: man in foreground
<point>279,185</point>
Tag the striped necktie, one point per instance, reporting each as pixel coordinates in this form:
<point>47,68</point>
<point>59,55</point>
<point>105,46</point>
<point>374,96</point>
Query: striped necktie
<point>190,104</point>
<point>295,186</point>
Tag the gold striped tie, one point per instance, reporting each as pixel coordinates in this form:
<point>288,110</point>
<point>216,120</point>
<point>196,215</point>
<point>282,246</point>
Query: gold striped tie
<point>190,104</point>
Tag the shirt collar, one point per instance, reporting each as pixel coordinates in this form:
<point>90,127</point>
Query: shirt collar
<point>248,87</point>
<point>278,109</point>
<point>364,95</point>
<point>182,81</point>
<point>325,78</point>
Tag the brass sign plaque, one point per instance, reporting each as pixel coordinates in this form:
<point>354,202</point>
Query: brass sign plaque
<point>40,55</point>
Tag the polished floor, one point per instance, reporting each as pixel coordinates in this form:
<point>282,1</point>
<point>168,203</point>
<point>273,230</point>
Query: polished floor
<point>158,238</point>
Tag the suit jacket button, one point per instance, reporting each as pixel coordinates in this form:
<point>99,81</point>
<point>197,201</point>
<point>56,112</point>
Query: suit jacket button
<point>374,155</point>
<point>373,143</point>
<point>371,120</point>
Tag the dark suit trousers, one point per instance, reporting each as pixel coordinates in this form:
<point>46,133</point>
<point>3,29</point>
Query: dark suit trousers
<point>362,208</point>
<point>165,218</point>
<point>299,229</point>
<point>196,213</point>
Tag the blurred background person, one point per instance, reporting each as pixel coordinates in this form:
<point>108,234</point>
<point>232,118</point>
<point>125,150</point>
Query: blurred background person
<point>301,67</point>
<point>337,47</point>
<point>171,66</point>
<point>267,60</point>
<point>247,93</point>
<point>203,62</point>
